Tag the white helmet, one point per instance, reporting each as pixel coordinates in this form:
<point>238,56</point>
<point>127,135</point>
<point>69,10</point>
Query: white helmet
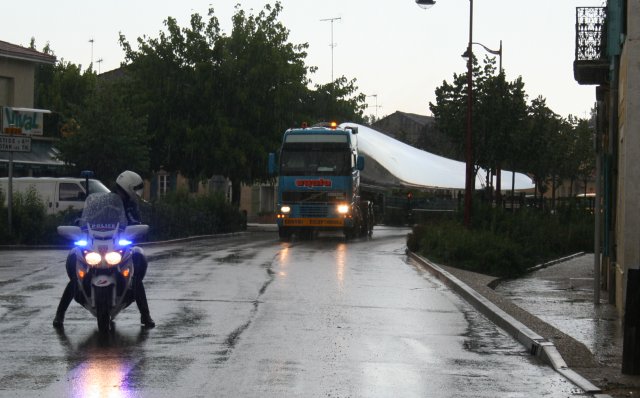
<point>131,183</point>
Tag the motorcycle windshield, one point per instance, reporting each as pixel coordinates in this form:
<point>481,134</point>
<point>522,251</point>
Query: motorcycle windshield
<point>103,211</point>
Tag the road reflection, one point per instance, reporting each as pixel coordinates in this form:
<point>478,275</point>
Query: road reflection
<point>284,260</point>
<point>104,365</point>
<point>341,254</point>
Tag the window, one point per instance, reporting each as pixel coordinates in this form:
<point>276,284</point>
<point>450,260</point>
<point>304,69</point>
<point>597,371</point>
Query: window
<point>163,184</point>
<point>71,192</point>
<point>6,91</point>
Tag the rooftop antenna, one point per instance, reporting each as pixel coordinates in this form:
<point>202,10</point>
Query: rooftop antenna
<point>99,62</point>
<point>376,105</point>
<point>332,45</point>
<point>91,41</point>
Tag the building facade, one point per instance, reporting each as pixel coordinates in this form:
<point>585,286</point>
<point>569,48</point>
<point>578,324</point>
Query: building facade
<point>608,57</point>
<point>17,90</point>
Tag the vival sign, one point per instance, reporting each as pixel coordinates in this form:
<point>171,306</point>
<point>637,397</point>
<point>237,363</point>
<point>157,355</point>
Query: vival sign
<point>27,121</point>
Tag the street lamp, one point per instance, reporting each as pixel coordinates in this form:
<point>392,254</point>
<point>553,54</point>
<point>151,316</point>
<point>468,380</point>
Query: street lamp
<point>468,153</point>
<point>425,3</point>
<point>487,49</point>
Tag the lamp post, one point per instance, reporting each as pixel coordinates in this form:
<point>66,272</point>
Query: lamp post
<point>498,168</point>
<point>468,150</point>
<point>468,153</point>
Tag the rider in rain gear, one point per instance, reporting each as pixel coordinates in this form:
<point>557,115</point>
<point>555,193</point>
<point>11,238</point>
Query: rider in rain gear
<point>129,187</point>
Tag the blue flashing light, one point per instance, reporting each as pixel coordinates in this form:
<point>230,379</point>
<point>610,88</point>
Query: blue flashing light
<point>124,242</point>
<point>81,243</point>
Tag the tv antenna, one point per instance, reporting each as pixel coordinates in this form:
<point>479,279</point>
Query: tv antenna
<point>91,41</point>
<point>332,45</point>
<point>376,105</point>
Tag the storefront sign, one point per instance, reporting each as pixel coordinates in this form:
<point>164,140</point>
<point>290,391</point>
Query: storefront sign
<point>22,120</point>
<point>15,143</point>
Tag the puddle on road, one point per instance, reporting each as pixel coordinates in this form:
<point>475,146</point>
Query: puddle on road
<point>483,337</point>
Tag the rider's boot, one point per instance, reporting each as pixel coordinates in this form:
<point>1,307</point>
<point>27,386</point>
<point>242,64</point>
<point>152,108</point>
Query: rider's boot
<point>65,300</point>
<point>143,306</point>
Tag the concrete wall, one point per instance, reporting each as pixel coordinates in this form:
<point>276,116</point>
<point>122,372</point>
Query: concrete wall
<point>628,213</point>
<point>17,78</point>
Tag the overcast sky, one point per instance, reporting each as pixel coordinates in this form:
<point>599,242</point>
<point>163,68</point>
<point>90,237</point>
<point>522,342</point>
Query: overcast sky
<point>396,50</point>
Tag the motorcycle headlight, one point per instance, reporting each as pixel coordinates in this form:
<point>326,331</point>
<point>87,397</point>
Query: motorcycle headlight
<point>343,209</point>
<point>113,258</point>
<point>92,258</point>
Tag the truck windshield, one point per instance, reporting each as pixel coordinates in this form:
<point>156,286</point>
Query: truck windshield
<point>315,159</point>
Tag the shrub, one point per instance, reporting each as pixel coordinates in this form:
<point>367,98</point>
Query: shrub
<point>178,214</point>
<point>502,243</point>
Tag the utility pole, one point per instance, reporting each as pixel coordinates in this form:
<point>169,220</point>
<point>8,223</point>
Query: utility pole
<point>332,45</point>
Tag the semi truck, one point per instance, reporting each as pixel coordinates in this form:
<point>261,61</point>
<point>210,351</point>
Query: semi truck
<point>319,183</point>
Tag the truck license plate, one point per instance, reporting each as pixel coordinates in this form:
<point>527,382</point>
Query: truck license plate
<point>314,222</point>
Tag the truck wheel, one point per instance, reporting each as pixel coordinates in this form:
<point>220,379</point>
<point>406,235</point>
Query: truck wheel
<point>284,233</point>
<point>103,308</point>
<point>348,234</point>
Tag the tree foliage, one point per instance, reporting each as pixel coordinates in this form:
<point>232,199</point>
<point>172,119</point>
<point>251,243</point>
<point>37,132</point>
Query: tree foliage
<point>217,103</point>
<point>509,132</point>
<point>108,138</point>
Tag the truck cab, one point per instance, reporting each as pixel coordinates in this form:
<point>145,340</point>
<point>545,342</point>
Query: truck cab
<point>319,182</point>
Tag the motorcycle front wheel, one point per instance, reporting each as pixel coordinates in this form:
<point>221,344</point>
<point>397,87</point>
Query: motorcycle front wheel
<point>103,308</point>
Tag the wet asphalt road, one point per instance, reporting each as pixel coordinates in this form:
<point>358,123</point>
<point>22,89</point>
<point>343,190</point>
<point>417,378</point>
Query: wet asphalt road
<point>251,316</point>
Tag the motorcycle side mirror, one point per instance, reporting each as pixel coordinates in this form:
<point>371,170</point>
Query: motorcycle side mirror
<point>131,232</point>
<point>71,232</point>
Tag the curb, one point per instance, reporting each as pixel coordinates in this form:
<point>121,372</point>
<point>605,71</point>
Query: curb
<point>556,261</point>
<point>534,343</point>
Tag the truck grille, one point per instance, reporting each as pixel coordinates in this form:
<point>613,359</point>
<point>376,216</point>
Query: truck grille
<point>312,197</point>
<point>313,211</point>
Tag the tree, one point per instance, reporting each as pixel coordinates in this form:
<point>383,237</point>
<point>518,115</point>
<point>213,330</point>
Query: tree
<point>581,156</point>
<point>62,88</point>
<point>95,119</point>
<point>548,146</point>
<point>108,137</point>
<point>217,104</point>
<point>499,114</point>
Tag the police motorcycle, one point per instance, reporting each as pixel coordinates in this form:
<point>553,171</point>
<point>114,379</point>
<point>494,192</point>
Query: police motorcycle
<point>104,258</point>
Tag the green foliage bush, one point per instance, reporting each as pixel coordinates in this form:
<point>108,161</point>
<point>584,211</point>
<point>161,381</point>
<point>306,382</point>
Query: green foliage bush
<point>27,218</point>
<point>502,243</point>
<point>178,215</point>
<point>175,215</point>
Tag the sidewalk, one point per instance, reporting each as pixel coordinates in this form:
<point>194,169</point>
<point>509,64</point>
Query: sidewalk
<point>551,311</point>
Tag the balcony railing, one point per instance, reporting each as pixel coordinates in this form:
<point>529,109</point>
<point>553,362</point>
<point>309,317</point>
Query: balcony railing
<point>591,64</point>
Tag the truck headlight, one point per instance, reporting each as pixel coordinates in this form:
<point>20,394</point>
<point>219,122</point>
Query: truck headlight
<point>285,209</point>
<point>343,208</point>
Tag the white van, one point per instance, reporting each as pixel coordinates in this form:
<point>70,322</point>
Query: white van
<point>57,194</point>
